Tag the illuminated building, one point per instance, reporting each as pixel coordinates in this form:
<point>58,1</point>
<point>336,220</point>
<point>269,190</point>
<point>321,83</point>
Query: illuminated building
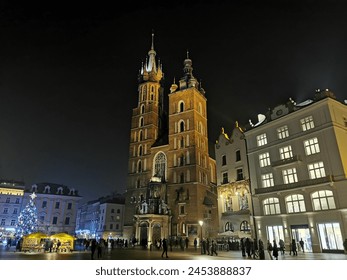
<point>171,177</point>
<point>297,156</point>
<point>11,199</point>
<point>234,200</point>
<point>56,207</point>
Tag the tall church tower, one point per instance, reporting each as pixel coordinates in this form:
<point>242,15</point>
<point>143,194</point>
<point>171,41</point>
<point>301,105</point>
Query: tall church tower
<point>191,196</point>
<point>169,187</point>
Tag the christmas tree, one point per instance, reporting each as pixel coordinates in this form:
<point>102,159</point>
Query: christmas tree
<point>27,219</point>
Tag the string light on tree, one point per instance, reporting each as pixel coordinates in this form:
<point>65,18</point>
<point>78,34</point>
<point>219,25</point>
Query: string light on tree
<point>27,219</point>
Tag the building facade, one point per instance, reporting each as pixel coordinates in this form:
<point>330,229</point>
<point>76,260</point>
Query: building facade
<point>56,206</point>
<point>234,196</point>
<point>101,218</point>
<point>11,199</point>
<point>297,157</point>
<point>171,177</point>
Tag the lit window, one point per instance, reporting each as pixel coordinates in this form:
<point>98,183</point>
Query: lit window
<point>267,180</point>
<point>316,170</point>
<point>286,152</point>
<point>323,200</point>
<point>264,159</point>
<point>295,203</point>
<point>307,123</point>
<point>271,206</point>
<point>311,146</point>
<point>283,132</point>
<point>289,176</point>
<point>261,139</point>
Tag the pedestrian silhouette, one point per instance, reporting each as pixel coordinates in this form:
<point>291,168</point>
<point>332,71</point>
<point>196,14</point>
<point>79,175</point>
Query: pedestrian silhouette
<point>302,243</point>
<point>294,248</point>
<point>164,244</point>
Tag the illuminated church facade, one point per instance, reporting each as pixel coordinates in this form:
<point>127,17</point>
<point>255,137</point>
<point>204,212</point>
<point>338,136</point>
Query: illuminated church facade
<point>171,186</point>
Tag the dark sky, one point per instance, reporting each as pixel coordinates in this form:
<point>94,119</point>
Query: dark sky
<point>68,74</point>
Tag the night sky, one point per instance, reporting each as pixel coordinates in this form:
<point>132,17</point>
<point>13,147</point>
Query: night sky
<point>68,74</point>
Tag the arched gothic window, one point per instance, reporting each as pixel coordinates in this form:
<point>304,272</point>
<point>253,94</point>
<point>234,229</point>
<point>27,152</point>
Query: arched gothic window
<point>160,164</point>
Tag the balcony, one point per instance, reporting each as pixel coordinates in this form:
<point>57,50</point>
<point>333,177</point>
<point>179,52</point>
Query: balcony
<point>300,184</point>
<point>286,161</point>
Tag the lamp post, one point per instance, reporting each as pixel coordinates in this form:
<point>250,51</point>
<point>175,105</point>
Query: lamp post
<point>201,223</point>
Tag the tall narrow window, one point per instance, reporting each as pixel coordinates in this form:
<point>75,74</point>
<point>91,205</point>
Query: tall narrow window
<point>238,155</point>
<point>239,174</point>
<point>225,178</point>
<point>181,106</point>
<point>224,160</point>
<point>267,180</point>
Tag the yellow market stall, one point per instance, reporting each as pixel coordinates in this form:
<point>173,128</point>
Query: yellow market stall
<point>34,242</point>
<point>62,242</point>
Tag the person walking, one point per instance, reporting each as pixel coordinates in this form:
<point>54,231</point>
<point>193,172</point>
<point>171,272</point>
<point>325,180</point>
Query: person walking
<point>302,243</point>
<point>281,244</point>
<point>294,247</point>
<point>93,248</point>
<point>214,248</point>
<point>164,244</point>
<point>275,250</point>
<point>269,249</point>
<point>208,246</point>
<point>195,244</point>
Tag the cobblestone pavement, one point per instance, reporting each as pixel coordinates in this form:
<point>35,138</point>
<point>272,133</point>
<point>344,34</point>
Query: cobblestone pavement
<point>144,254</point>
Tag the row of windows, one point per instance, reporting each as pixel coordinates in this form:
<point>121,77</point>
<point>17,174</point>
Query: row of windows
<point>237,156</point>
<point>244,227</point>
<point>239,176</point>
<point>5,211</point>
<point>3,222</point>
<point>315,170</point>
<point>321,200</point>
<point>311,147</point>
<point>181,107</point>
<point>283,132</point>
<point>8,200</point>
<point>56,205</point>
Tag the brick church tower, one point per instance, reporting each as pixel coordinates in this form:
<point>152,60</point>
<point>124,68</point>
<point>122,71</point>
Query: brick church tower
<point>171,177</point>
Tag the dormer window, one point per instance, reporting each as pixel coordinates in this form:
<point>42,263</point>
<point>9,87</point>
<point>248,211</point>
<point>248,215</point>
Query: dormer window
<point>34,188</point>
<point>72,192</point>
<point>47,189</point>
<point>60,190</point>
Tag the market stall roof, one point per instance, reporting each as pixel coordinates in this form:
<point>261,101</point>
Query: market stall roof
<point>38,235</point>
<point>62,235</point>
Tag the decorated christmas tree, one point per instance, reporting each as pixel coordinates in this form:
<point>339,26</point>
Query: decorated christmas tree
<point>27,219</point>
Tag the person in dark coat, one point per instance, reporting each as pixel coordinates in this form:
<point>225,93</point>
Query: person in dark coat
<point>294,248</point>
<point>93,248</point>
<point>275,250</point>
<point>164,244</point>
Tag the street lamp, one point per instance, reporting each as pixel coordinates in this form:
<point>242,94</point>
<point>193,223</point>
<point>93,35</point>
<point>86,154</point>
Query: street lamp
<point>201,223</point>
